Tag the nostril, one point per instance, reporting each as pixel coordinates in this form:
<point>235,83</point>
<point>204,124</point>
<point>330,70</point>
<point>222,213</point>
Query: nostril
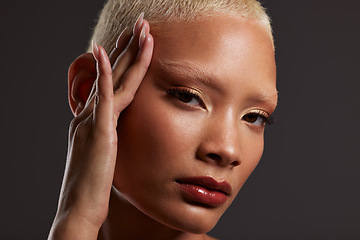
<point>235,163</point>
<point>214,156</point>
<point>221,159</point>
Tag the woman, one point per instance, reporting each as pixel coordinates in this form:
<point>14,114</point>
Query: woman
<point>167,128</point>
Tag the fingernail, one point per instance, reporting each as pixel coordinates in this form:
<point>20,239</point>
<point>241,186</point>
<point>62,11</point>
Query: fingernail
<point>95,50</point>
<point>120,40</point>
<point>142,37</point>
<point>138,23</point>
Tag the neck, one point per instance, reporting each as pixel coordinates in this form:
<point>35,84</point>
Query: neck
<point>125,221</point>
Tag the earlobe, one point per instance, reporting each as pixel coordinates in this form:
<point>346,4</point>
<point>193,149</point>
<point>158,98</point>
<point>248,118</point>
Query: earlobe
<point>81,77</point>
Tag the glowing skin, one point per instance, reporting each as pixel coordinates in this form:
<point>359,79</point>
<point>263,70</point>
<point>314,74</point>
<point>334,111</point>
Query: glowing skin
<point>165,135</point>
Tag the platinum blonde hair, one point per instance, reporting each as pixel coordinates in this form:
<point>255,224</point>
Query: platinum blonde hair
<point>118,14</point>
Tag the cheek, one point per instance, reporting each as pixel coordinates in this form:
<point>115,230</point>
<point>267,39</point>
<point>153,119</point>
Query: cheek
<point>254,149</point>
<point>252,146</point>
<point>155,136</point>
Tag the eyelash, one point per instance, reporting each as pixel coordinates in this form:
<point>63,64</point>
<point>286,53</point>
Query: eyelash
<point>179,93</point>
<point>268,120</point>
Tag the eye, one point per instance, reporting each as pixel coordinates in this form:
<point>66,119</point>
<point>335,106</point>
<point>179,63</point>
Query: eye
<point>258,118</point>
<point>187,96</point>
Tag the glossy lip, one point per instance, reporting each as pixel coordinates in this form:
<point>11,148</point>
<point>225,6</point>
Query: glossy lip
<point>207,182</point>
<point>205,190</point>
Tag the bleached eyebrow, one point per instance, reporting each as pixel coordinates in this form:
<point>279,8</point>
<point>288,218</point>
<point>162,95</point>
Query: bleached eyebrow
<point>203,74</point>
<point>266,97</point>
<point>190,71</point>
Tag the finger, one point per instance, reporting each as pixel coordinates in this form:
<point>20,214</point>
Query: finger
<point>134,76</point>
<point>103,101</point>
<point>120,45</point>
<point>86,111</point>
<point>127,57</point>
<point>124,43</point>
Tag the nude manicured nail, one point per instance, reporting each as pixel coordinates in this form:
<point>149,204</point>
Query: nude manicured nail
<point>120,39</point>
<point>95,50</point>
<point>142,37</point>
<point>138,23</point>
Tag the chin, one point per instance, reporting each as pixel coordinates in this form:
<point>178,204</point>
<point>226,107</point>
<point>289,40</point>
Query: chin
<point>201,227</point>
<point>189,218</point>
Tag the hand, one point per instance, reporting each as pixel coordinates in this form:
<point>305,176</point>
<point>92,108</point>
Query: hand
<point>92,151</point>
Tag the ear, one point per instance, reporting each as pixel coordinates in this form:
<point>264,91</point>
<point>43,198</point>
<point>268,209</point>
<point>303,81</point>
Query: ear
<point>81,76</point>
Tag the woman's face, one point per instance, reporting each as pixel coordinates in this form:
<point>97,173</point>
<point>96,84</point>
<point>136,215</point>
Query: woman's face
<point>194,132</point>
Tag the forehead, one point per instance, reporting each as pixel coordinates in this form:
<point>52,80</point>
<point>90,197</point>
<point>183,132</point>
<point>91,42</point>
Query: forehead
<point>221,29</point>
<point>234,50</point>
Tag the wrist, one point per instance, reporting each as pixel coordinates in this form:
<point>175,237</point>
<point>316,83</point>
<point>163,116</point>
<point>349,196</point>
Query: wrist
<point>72,226</point>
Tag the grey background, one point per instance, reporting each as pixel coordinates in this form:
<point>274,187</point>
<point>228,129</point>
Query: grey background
<point>307,185</point>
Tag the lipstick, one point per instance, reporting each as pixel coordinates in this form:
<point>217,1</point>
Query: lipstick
<point>205,190</point>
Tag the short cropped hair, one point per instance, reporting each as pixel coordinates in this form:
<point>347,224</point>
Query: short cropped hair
<point>118,14</point>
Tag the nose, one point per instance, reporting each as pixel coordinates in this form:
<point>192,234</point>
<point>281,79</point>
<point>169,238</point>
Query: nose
<point>221,142</point>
